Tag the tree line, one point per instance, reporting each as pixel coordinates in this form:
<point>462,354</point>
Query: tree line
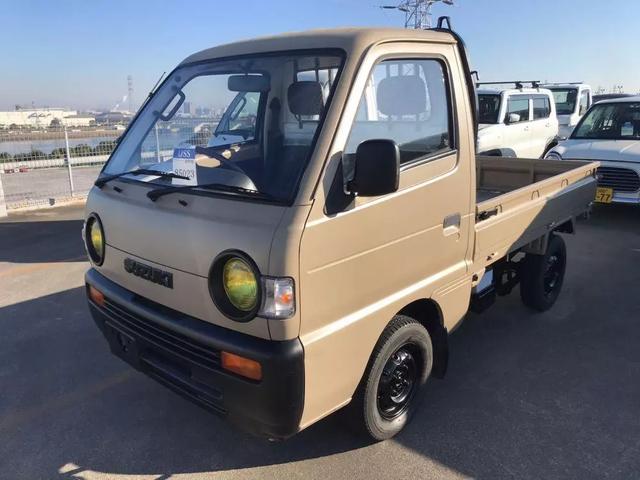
<point>105,147</point>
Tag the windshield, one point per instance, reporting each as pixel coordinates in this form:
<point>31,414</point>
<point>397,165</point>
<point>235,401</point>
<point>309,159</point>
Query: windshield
<point>488,108</point>
<point>565,99</point>
<point>248,124</point>
<point>610,121</point>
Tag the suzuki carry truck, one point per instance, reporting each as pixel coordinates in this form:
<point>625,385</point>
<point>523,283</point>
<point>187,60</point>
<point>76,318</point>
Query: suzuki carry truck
<point>294,224</point>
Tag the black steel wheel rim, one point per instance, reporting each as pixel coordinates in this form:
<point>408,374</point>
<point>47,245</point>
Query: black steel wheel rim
<point>398,382</point>
<point>552,274</point>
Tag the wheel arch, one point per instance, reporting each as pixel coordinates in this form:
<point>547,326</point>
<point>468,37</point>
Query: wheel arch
<point>499,152</point>
<point>549,146</point>
<point>428,313</point>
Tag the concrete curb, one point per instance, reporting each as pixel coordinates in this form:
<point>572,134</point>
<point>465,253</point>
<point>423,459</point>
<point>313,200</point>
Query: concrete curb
<point>46,204</point>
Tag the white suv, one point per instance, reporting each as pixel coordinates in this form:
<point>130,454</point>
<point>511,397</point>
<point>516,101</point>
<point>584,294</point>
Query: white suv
<point>572,102</point>
<point>516,122</point>
<point>610,133</point>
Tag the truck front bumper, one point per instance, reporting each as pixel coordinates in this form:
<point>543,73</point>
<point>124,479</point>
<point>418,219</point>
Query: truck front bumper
<point>183,353</point>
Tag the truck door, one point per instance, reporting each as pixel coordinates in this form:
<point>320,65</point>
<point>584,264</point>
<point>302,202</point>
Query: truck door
<point>585,102</point>
<point>362,262</point>
<point>517,132</point>
<point>543,127</point>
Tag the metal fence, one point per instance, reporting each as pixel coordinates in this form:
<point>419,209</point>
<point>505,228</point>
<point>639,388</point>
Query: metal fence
<point>47,166</point>
<point>44,167</point>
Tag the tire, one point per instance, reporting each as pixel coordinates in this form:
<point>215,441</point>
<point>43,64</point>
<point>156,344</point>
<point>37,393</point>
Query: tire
<point>541,276</point>
<point>399,366</point>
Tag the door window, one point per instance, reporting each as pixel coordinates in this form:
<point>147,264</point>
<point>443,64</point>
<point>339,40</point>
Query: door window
<point>584,102</point>
<point>407,101</point>
<point>488,108</point>
<point>519,108</point>
<point>541,107</point>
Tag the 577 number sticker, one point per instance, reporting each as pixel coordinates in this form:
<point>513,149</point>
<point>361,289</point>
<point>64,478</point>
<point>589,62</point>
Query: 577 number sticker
<point>604,195</point>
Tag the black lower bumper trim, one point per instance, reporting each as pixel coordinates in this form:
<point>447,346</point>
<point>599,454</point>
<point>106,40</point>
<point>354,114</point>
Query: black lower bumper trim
<point>183,353</point>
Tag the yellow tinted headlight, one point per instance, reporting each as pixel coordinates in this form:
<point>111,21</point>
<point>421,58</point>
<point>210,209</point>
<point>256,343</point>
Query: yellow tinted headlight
<point>240,284</point>
<point>94,239</point>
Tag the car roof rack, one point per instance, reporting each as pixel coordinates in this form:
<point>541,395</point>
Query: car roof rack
<point>518,83</point>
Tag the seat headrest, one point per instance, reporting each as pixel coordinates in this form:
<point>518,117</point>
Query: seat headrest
<point>402,95</point>
<point>305,98</point>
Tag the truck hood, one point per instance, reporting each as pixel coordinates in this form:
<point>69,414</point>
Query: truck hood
<point>612,150</point>
<point>181,240</point>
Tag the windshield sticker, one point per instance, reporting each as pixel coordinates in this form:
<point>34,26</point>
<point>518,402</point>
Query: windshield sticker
<point>626,130</point>
<point>184,163</point>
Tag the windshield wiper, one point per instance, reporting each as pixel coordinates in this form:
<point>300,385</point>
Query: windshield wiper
<point>140,171</point>
<point>159,192</point>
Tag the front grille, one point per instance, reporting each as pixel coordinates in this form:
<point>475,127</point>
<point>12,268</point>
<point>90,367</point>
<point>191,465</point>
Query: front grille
<point>620,179</point>
<point>163,338</point>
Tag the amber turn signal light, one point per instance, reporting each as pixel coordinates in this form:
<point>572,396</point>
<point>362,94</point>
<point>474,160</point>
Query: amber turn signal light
<point>242,366</point>
<point>96,296</point>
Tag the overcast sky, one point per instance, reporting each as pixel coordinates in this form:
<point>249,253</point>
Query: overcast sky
<point>78,53</point>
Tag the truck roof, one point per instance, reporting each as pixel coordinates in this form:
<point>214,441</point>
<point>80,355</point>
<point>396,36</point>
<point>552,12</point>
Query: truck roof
<point>351,40</point>
<point>551,86</point>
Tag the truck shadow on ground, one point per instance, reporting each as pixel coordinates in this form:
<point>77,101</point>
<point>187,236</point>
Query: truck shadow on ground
<point>551,395</point>
<point>40,242</point>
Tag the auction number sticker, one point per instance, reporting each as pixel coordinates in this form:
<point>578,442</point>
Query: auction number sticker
<point>184,163</point>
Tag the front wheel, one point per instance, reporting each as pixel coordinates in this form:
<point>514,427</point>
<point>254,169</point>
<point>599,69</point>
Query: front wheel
<point>399,366</point>
<point>542,276</point>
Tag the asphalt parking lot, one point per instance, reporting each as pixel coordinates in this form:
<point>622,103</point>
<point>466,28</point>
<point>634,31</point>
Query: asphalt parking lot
<point>527,396</point>
<point>46,185</point>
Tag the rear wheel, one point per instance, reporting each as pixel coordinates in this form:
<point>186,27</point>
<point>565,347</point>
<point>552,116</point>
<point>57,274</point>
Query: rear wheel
<point>399,366</point>
<point>542,276</point>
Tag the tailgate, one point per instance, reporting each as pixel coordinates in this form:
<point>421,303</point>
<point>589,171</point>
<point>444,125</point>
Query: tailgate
<point>559,191</point>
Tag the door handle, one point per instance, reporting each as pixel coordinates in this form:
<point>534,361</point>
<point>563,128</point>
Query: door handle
<point>526,129</point>
<point>451,224</point>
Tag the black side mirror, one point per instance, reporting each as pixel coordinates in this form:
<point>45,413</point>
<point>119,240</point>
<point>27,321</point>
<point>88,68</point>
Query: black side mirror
<point>377,168</point>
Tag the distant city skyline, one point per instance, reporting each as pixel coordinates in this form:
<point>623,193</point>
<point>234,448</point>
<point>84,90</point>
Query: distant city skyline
<point>78,55</point>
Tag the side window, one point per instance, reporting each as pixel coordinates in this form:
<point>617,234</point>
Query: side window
<point>243,118</point>
<point>584,102</point>
<point>541,107</point>
<point>406,101</point>
<point>518,109</point>
<point>240,119</point>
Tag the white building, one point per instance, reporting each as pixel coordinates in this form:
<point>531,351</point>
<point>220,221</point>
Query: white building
<point>42,117</point>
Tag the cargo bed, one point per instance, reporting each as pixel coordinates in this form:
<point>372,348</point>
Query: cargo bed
<point>518,200</point>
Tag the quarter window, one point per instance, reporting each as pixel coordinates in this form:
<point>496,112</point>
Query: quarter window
<point>541,107</point>
<point>406,101</point>
<point>518,106</point>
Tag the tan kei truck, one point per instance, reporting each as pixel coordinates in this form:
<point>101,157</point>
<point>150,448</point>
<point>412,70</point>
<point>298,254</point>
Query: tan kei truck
<point>294,224</point>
